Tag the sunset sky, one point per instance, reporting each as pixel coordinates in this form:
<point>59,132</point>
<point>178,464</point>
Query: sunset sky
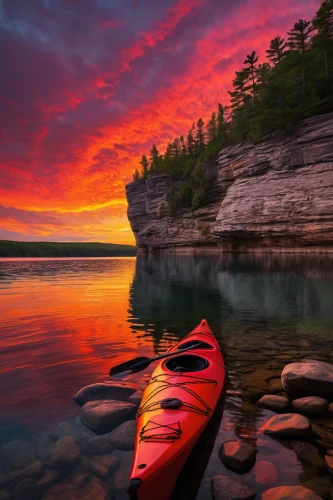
<point>87,86</point>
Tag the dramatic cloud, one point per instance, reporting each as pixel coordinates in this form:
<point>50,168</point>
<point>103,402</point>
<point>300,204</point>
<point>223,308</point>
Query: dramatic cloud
<point>88,85</point>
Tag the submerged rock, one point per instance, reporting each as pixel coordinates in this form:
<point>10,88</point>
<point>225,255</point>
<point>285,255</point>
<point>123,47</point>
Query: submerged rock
<point>136,398</point>
<point>273,402</point>
<point>18,454</point>
<point>310,378</point>
<point>103,466</point>
<point>26,489</point>
<point>68,491</point>
<point>266,473</point>
<point>325,435</point>
<point>65,452</point>
<point>329,463</point>
<point>289,493</point>
<point>123,437</point>
<point>50,477</point>
<point>237,455</point>
<point>107,390</point>
<point>310,404</point>
<point>67,429</point>
<point>32,471</point>
<point>106,415</point>
<point>320,485</point>
<point>228,488</point>
<point>98,445</point>
<point>289,424</point>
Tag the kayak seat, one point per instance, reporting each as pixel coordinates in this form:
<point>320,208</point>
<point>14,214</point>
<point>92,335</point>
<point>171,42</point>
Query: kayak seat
<point>186,363</point>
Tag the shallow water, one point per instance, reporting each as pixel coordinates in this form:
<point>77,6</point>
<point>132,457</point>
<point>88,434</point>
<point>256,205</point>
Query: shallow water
<point>65,322</point>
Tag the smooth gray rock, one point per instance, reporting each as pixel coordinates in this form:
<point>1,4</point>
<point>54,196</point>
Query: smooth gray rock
<point>229,488</point>
<point>18,455</point>
<point>103,416</point>
<point>98,445</point>
<point>107,390</point>
<point>136,398</point>
<point>273,402</point>
<point>123,437</point>
<point>237,455</point>
<point>310,404</point>
<point>311,378</point>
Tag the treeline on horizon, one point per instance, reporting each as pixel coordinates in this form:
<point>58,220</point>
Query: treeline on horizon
<point>53,249</point>
<point>295,83</point>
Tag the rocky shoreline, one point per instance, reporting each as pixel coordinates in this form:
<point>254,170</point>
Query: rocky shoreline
<point>91,457</point>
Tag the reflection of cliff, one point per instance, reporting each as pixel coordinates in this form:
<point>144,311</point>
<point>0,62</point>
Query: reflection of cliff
<point>174,292</point>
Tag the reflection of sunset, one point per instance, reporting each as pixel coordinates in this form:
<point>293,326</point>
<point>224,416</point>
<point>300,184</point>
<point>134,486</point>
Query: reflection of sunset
<point>63,329</point>
<point>101,86</point>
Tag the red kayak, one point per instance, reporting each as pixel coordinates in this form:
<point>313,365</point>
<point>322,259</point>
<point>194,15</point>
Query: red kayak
<point>176,406</point>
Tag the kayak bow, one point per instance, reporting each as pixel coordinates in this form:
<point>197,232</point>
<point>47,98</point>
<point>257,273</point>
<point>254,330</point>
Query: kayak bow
<point>176,406</point>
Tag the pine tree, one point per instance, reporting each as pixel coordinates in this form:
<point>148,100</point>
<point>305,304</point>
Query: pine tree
<point>191,142</point>
<point>144,163</point>
<point>200,136</point>
<point>323,23</point>
<point>240,96</point>
<point>212,128</point>
<point>221,124</point>
<point>251,69</point>
<point>155,159</point>
<point>183,146</point>
<point>277,50</point>
<point>299,36</point>
<point>136,175</point>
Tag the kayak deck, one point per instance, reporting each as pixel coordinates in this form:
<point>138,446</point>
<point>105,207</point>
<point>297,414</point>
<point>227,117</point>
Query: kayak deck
<point>176,406</point>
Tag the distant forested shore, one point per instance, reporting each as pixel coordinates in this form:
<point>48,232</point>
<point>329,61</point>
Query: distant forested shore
<point>52,249</point>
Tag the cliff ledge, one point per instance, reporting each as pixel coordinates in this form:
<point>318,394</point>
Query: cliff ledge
<point>276,195</point>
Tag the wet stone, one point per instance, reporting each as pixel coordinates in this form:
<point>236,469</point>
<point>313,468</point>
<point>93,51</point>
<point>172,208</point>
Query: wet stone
<point>329,463</point>
<point>32,471</point>
<point>18,454</point>
<point>50,477</point>
<point>65,453</point>
<point>237,455</point>
<point>321,433</point>
<point>312,458</point>
<point>320,485</point>
<point>106,415</point>
<point>136,398</point>
<point>103,391</point>
<point>273,402</point>
<point>289,493</point>
<point>44,447</point>
<point>98,445</point>
<point>26,489</point>
<point>228,488</point>
<point>68,491</point>
<point>308,379</point>
<point>120,479</point>
<point>5,493</point>
<point>289,424</point>
<point>123,437</point>
<point>103,466</point>
<point>308,472</point>
<point>266,473</point>
<point>67,429</point>
<point>310,404</point>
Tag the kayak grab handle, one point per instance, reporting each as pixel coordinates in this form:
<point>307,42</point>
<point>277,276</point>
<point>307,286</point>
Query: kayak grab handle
<point>171,403</point>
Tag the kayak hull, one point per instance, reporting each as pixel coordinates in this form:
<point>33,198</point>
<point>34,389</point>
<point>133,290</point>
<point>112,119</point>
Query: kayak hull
<point>176,407</point>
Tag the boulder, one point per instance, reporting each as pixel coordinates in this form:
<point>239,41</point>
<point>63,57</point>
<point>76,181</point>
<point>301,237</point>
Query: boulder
<point>18,454</point>
<point>237,455</point>
<point>103,466</point>
<point>65,453</point>
<point>136,398</point>
<point>289,424</point>
<point>32,471</point>
<point>273,402</point>
<point>323,434</point>
<point>44,447</point>
<point>67,429</point>
<point>26,489</point>
<point>120,479</point>
<point>266,473</point>
<point>103,416</point>
<point>123,437</point>
<point>320,485</point>
<point>107,390</point>
<point>312,458</point>
<point>50,477</point>
<point>98,445</point>
<point>329,463</point>
<point>228,488</point>
<point>310,404</point>
<point>308,379</point>
<point>5,493</point>
<point>68,491</point>
<point>289,493</point>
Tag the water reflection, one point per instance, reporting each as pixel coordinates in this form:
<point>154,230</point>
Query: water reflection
<point>65,322</point>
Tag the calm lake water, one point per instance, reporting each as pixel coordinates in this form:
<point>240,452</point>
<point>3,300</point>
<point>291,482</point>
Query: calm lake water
<point>64,323</point>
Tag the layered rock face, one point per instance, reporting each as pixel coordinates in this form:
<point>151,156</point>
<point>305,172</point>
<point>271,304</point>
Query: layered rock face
<point>273,195</point>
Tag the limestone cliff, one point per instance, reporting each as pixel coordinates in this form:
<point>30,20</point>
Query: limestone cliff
<point>273,195</point>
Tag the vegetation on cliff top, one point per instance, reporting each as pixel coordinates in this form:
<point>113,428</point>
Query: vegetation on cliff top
<point>296,83</point>
<point>48,249</point>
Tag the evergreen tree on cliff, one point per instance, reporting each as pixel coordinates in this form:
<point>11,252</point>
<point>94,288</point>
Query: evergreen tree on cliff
<point>155,160</point>
<point>144,164</point>
<point>277,50</point>
<point>323,40</point>
<point>251,70</point>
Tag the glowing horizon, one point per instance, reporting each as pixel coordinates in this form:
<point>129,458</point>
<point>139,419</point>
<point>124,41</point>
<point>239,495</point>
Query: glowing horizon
<point>89,87</point>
